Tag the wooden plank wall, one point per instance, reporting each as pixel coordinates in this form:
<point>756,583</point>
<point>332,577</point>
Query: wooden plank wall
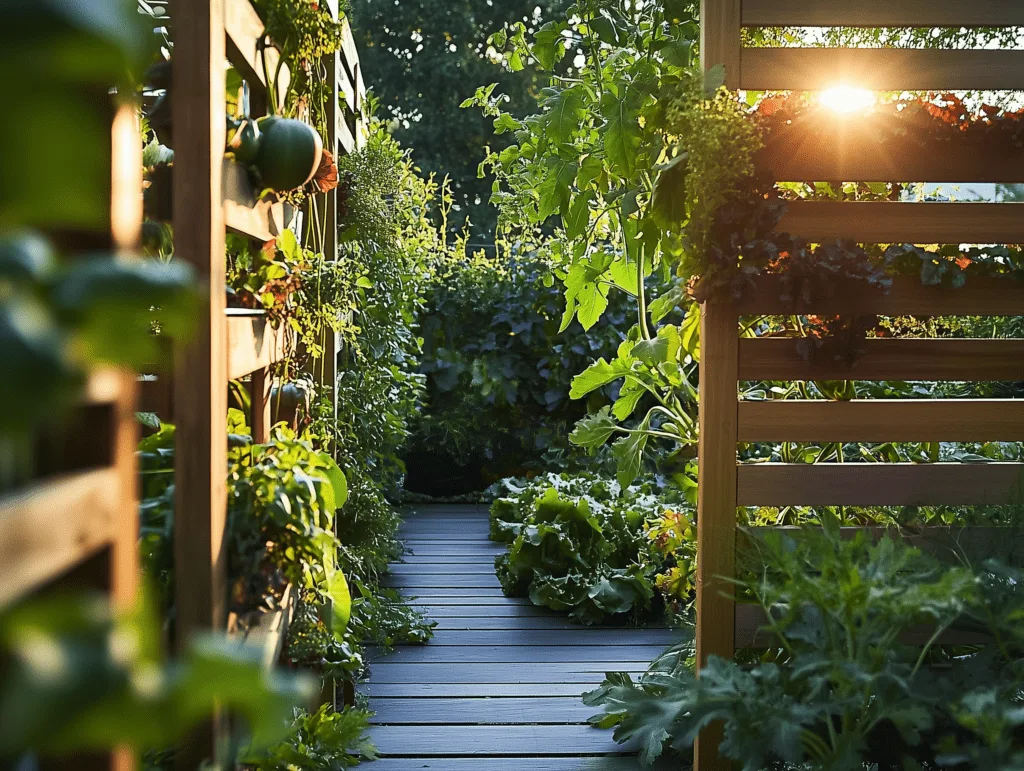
<point>823,147</point>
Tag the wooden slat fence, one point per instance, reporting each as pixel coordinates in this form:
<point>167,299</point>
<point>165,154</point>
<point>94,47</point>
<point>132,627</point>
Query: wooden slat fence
<point>824,148</point>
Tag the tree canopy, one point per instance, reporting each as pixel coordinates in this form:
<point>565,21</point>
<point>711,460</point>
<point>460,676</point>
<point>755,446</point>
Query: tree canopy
<point>424,58</point>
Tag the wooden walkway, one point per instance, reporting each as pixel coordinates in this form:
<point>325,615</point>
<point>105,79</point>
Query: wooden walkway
<point>498,688</point>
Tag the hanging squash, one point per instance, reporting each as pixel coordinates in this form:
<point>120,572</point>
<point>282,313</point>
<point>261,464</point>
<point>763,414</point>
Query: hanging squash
<point>289,153</point>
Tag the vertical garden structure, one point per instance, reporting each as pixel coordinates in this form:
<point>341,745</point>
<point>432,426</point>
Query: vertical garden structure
<point>212,195</point>
<point>74,526</point>
<point>851,151</point>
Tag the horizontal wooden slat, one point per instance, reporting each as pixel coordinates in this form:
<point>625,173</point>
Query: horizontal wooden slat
<point>777,358</point>
<point>253,344</point>
<point>349,51</point>
<point>882,420</point>
<point>55,525</point>
<point>243,213</point>
<point>907,297</point>
<point>882,13</point>
<point>827,146</point>
<point>880,69</point>
<point>751,632</point>
<point>880,484</point>
<point>877,222</point>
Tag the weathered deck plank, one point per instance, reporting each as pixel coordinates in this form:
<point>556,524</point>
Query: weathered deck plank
<point>499,686</point>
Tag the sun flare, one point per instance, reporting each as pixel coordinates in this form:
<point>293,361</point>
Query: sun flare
<point>847,99</point>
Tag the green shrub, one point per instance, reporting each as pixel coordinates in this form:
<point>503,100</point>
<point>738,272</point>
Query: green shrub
<point>840,691</point>
<point>324,740</point>
<point>580,543</point>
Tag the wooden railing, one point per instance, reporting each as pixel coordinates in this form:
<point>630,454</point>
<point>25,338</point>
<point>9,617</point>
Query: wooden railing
<point>850,150</point>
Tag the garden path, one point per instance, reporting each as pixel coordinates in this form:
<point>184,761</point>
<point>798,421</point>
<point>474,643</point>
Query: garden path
<point>498,688</point>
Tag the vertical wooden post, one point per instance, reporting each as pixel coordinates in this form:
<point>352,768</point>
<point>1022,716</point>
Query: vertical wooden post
<point>126,233</point>
<point>201,366</point>
<point>720,38</point>
<point>716,502</point>
<point>716,498</point>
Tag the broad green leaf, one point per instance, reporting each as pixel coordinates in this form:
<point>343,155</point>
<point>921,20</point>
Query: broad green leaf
<point>591,303</point>
<point>505,122</point>
<point>549,44</point>
<point>628,453</point>
<point>678,53</point>
<point>605,30</point>
<point>663,348</point>
<point>591,168</point>
<point>564,112</point>
<point>629,397</point>
<point>661,306</point>
<point>339,604</point>
<point>289,245</point>
<point>652,352</point>
<point>689,331</point>
<point>337,479</point>
<point>714,79</point>
<point>623,274</point>
<point>593,430</point>
<point>622,134</point>
<point>598,374</point>
<point>577,218</point>
<point>555,189</point>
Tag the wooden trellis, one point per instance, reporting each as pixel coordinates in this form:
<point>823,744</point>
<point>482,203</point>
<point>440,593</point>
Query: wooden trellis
<point>852,153</point>
<point>75,527</point>
<point>212,195</point>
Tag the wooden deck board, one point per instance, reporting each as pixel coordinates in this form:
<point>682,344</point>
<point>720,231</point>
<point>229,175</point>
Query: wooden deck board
<point>499,686</point>
<point>555,763</point>
<point>527,740</point>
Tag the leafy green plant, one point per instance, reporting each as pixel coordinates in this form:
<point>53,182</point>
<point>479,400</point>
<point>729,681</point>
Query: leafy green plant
<point>844,691</point>
<point>325,740</point>
<point>281,509</point>
<point>580,543</point>
<point>267,279</point>
<point>304,32</point>
<point>497,369</point>
<point>103,673</point>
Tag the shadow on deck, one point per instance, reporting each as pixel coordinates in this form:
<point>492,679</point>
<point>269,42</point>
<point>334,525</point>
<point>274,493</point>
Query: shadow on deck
<point>499,686</point>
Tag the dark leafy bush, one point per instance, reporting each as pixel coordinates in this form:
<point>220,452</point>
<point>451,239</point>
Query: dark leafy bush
<point>579,543</point>
<point>498,370</point>
<point>840,691</point>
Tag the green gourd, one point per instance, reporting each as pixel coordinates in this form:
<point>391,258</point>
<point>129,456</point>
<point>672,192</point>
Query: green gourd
<point>289,153</point>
